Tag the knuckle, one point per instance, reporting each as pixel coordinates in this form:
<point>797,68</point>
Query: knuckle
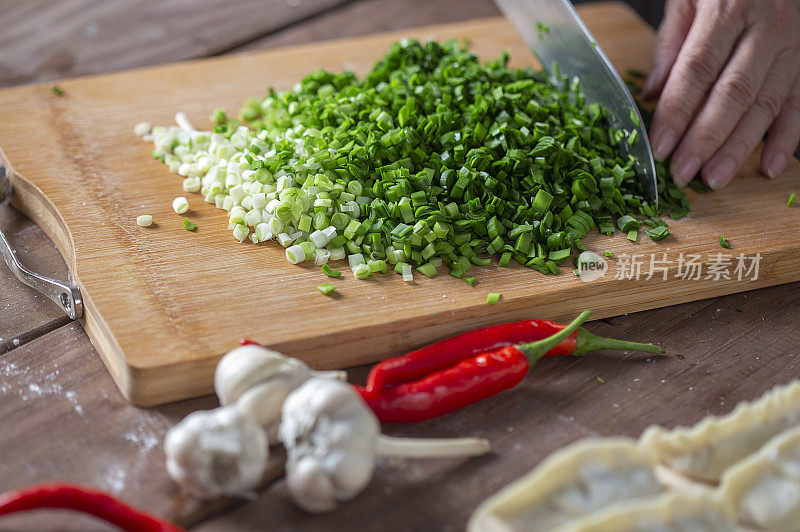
<point>707,140</point>
<point>700,68</point>
<point>737,88</point>
<point>771,102</point>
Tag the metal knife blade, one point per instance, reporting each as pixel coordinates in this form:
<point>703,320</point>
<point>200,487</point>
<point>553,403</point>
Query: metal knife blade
<point>554,31</point>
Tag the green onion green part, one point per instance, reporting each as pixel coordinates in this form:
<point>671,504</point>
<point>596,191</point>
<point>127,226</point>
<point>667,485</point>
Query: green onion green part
<point>492,298</point>
<point>58,91</point>
<point>326,288</point>
<point>724,243</point>
<point>330,272</point>
<point>188,225</point>
<point>792,199</point>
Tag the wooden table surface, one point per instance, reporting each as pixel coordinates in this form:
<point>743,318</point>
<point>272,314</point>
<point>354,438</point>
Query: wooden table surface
<point>61,418</point>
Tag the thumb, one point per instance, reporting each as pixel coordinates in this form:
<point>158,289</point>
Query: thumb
<point>678,17</point>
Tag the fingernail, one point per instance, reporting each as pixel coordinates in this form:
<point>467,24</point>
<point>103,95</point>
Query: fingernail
<point>720,172</point>
<point>685,170</point>
<point>663,142</point>
<point>776,165</point>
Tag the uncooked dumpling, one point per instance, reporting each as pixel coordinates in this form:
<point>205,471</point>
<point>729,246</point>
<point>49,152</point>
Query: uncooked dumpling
<point>572,482</point>
<point>707,449</point>
<point>765,487</point>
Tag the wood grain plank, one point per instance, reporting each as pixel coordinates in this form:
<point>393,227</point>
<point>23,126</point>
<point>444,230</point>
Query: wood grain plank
<point>24,312</point>
<point>41,40</point>
<point>717,356</point>
<point>382,15</point>
<point>71,423</point>
<point>161,278</point>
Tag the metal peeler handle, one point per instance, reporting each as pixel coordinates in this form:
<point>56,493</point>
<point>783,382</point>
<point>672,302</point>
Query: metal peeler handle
<point>65,294</point>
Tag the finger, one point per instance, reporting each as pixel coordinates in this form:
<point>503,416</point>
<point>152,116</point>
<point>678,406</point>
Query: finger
<point>784,135</point>
<point>707,48</point>
<point>678,15</point>
<point>747,134</point>
<point>731,96</point>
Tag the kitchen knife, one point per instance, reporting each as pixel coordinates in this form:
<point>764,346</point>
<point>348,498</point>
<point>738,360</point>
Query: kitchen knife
<point>555,33</point>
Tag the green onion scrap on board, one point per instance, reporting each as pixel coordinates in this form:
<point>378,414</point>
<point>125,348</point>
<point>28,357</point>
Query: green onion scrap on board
<point>432,159</point>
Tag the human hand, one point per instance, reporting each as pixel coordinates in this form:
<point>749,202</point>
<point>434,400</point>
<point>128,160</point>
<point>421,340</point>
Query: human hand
<point>727,71</point>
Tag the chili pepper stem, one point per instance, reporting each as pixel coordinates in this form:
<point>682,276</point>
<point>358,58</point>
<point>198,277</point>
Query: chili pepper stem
<point>430,447</point>
<point>536,350</point>
<point>588,342</point>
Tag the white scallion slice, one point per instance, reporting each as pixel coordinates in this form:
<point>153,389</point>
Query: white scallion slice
<point>295,254</point>
<point>407,275</point>
<point>180,205</point>
<point>144,220</point>
<point>354,260</point>
<point>285,240</point>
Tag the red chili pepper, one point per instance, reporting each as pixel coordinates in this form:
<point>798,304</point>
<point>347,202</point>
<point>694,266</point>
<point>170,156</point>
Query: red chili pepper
<point>85,500</point>
<point>450,351</point>
<point>467,382</point>
<point>471,378</point>
<point>248,341</point>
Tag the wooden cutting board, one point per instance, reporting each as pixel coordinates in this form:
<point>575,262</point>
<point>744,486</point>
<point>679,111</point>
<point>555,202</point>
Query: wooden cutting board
<point>162,304</point>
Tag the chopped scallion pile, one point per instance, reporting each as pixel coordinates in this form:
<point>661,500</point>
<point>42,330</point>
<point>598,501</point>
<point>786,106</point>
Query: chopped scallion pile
<point>433,158</point>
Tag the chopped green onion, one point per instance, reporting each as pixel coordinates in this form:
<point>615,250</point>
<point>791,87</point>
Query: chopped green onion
<point>55,89</point>
<point>608,254</point>
<point>601,380</point>
<point>180,205</point>
<point>144,220</point>
<point>658,233</point>
<point>792,199</point>
<point>635,73</point>
<point>432,158</point>
<point>362,271</point>
<point>469,280</point>
<point>330,272</point>
<point>492,298</point>
<point>724,243</point>
<point>428,270</point>
<point>326,288</point>
<point>378,266</point>
<point>188,225</point>
<point>633,235</point>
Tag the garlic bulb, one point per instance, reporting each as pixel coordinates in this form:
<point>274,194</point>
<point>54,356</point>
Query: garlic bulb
<point>332,439</point>
<point>216,452</point>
